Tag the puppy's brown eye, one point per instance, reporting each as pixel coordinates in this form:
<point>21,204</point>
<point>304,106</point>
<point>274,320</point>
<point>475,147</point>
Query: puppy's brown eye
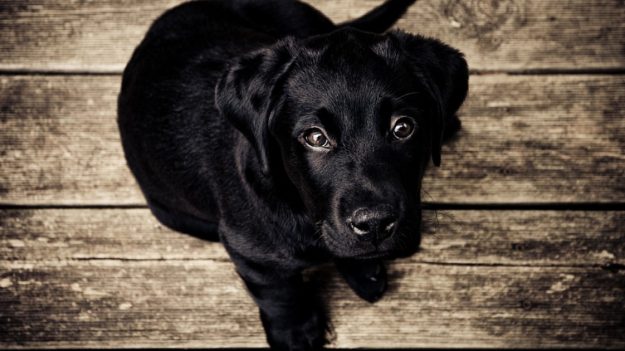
<point>403,128</point>
<point>316,138</point>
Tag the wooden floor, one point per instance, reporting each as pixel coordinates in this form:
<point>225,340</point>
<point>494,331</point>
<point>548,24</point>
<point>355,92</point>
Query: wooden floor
<point>527,248</point>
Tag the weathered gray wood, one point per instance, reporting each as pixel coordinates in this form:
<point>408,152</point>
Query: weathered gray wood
<point>116,278</point>
<point>533,238</point>
<point>495,35</point>
<point>525,139</point>
<point>537,139</point>
<point>60,142</point>
<point>201,303</point>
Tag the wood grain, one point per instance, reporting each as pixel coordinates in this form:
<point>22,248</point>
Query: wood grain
<point>116,278</point>
<point>201,303</point>
<point>478,237</point>
<point>526,139</point>
<point>99,36</point>
<point>536,139</point>
<point>60,142</point>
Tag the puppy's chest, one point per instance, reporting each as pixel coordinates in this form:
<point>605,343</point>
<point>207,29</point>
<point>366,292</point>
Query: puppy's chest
<point>301,245</point>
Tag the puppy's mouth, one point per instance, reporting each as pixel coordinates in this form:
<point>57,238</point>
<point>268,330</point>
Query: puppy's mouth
<point>345,244</point>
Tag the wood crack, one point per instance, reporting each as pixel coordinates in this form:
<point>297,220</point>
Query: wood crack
<point>477,72</point>
<point>611,267</point>
<point>433,206</point>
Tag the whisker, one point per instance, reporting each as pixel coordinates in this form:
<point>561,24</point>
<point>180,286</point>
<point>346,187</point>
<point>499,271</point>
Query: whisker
<point>436,223</point>
<point>318,232</point>
<point>448,215</point>
<point>408,94</point>
<point>427,194</point>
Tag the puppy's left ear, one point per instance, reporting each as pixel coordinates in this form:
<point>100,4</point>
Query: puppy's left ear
<point>249,92</point>
<point>445,73</point>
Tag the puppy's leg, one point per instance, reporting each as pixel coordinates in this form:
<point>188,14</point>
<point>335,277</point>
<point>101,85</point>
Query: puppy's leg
<point>291,315</point>
<point>183,223</point>
<point>366,277</point>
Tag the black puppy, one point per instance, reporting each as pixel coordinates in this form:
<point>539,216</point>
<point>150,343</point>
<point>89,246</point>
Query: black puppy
<point>291,140</point>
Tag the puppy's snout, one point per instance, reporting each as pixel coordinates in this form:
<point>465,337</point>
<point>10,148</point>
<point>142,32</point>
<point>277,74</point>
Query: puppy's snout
<point>373,223</point>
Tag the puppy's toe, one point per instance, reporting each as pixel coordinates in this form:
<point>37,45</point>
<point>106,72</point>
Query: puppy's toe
<point>289,333</point>
<point>374,286</point>
<point>367,280</point>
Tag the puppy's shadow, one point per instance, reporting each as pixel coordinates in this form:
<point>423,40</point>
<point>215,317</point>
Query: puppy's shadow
<point>395,277</point>
<point>326,281</point>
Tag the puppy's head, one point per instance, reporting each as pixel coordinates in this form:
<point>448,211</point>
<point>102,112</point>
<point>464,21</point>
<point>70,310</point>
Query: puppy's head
<point>356,118</point>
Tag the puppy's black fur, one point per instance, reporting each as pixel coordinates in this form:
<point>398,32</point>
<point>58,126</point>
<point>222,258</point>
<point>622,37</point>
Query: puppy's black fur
<point>291,140</point>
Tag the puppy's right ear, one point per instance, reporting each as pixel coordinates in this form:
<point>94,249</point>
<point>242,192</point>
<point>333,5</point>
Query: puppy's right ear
<point>444,71</point>
<point>250,90</point>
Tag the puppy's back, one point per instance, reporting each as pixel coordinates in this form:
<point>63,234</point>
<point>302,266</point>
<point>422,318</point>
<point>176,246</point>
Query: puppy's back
<point>171,133</point>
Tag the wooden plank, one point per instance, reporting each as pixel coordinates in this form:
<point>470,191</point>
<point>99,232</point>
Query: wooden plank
<point>526,139</point>
<point>60,142</point>
<point>536,139</point>
<point>531,238</point>
<point>99,36</point>
<point>201,303</point>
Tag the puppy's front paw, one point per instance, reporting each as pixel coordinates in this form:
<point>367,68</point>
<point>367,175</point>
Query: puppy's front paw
<point>303,332</point>
<point>366,278</point>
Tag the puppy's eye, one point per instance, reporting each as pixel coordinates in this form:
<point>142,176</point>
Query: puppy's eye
<point>403,128</point>
<point>316,138</point>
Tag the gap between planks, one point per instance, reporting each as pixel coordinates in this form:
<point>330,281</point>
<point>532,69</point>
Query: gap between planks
<point>112,261</point>
<point>427,206</point>
<point>477,72</point>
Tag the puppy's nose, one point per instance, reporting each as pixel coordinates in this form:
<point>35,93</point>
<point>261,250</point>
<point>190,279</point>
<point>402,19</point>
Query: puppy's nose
<point>373,223</point>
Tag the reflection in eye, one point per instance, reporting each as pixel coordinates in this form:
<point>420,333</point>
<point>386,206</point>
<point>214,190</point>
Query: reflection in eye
<point>315,138</point>
<point>403,128</point>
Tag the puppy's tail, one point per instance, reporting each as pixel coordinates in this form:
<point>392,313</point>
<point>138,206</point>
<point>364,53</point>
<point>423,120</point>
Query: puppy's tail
<point>380,18</point>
